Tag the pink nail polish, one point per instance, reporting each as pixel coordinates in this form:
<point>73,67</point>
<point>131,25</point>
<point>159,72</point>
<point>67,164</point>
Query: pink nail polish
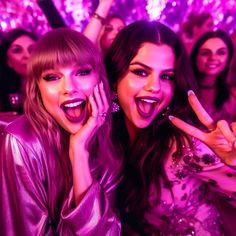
<point>190,92</point>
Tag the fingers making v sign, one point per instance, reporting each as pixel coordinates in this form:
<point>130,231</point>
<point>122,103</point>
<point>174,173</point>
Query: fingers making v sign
<point>220,137</point>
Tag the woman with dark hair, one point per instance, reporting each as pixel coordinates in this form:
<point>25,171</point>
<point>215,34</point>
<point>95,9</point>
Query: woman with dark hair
<point>15,49</point>
<point>103,27</point>
<point>58,166</point>
<point>211,57</point>
<point>169,176</point>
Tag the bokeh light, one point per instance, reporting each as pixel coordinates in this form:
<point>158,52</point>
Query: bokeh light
<point>76,13</point>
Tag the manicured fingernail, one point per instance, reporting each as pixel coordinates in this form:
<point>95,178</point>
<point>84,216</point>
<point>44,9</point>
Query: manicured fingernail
<point>171,118</point>
<point>190,92</point>
<point>96,88</point>
<point>101,85</point>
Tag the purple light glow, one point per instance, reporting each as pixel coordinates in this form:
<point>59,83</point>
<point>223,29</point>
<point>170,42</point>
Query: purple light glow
<point>76,13</point>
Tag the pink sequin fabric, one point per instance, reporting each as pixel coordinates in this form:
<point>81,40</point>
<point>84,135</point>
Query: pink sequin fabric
<point>197,179</point>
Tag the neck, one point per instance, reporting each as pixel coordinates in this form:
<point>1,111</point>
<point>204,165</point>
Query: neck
<point>207,82</point>
<point>132,131</point>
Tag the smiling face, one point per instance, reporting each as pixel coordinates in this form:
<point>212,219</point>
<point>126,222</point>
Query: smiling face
<point>148,86</point>
<point>212,57</point>
<point>65,91</point>
<point>19,53</point>
<point>111,29</point>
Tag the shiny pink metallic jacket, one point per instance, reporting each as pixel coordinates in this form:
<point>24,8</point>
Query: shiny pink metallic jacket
<point>29,190</point>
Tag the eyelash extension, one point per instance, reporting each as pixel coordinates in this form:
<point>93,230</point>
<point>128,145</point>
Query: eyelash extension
<point>170,77</point>
<point>50,77</point>
<point>84,72</point>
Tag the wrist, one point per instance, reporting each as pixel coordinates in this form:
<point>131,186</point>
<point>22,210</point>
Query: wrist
<point>103,9</point>
<point>99,18</point>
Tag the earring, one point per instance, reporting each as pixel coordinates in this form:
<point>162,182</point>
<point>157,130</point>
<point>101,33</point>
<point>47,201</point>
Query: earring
<point>114,106</point>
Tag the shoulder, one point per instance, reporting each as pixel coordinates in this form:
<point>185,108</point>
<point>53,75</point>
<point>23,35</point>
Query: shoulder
<point>22,150</point>
<point>19,133</point>
<point>20,128</point>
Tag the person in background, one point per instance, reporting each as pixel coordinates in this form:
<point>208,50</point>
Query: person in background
<point>103,27</point>
<point>1,36</point>
<point>211,57</point>
<point>232,76</point>
<point>58,166</point>
<point>16,47</point>
<point>170,178</point>
<point>195,25</point>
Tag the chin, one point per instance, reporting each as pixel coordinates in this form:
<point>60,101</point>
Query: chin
<point>73,129</point>
<point>143,124</point>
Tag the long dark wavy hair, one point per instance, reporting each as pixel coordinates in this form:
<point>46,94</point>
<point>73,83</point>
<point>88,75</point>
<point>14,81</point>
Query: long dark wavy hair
<point>65,47</point>
<point>10,80</point>
<point>222,88</point>
<point>145,159</point>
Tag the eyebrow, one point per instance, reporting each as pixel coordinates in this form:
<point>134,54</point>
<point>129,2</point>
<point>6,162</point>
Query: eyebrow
<point>149,68</point>
<point>15,44</point>
<point>208,49</point>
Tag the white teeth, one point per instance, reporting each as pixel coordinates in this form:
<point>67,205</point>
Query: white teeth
<point>74,104</point>
<point>148,100</point>
<point>212,66</point>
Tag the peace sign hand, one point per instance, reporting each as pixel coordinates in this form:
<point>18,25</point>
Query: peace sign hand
<point>221,137</point>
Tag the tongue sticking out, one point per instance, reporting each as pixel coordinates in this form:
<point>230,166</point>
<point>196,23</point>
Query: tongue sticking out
<point>145,107</point>
<point>74,111</point>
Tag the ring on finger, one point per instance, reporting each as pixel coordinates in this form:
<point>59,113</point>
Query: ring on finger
<point>102,114</point>
<point>212,128</point>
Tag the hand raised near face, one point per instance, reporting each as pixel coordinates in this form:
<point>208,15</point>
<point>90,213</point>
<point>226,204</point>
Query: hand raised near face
<point>106,1</point>
<point>221,136</point>
<point>97,117</point>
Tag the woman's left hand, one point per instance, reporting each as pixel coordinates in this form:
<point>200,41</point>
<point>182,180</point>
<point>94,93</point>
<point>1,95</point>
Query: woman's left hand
<point>221,137</point>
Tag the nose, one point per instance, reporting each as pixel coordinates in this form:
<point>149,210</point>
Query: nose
<point>213,56</point>
<point>153,84</point>
<point>68,85</point>
<point>26,54</point>
<point>116,31</point>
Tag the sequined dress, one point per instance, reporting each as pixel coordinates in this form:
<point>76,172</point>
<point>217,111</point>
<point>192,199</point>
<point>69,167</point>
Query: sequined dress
<point>197,180</point>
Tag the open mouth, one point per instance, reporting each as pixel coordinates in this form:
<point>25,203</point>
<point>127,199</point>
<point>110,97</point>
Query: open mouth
<point>74,110</point>
<point>146,106</point>
<point>212,66</point>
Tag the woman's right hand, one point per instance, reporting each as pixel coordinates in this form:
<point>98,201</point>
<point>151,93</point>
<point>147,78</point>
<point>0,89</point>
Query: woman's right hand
<point>221,136</point>
<point>99,109</point>
<point>78,150</point>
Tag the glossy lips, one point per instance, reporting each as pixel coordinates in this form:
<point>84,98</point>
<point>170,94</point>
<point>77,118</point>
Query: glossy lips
<point>74,110</point>
<point>146,105</point>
